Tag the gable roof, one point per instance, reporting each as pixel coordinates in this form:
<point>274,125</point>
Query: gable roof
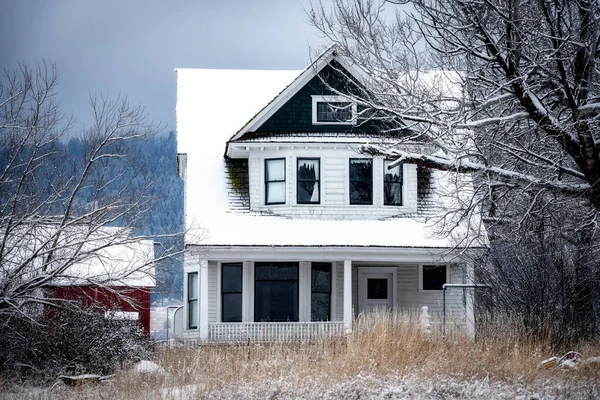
<point>312,70</point>
<point>211,104</point>
<point>106,256</point>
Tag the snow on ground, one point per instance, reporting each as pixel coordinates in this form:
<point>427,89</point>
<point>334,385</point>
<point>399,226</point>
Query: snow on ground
<point>395,387</point>
<point>409,387</point>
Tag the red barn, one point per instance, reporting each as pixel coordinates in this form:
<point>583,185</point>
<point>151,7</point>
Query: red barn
<point>116,280</point>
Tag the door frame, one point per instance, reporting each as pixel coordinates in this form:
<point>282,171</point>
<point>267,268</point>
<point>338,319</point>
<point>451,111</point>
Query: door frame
<point>362,290</point>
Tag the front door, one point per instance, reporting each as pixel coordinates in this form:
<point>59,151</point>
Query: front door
<point>376,291</point>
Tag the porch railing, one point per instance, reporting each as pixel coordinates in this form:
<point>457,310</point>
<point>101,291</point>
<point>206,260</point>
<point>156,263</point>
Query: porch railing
<point>274,331</point>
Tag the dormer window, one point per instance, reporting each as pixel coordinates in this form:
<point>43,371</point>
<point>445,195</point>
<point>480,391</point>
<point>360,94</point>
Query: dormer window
<point>275,181</point>
<point>333,110</point>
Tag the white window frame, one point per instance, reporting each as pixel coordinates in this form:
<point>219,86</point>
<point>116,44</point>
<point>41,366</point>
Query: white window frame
<point>421,276</point>
<point>332,99</point>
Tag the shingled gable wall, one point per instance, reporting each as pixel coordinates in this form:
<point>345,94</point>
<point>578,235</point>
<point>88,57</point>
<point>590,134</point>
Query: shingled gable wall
<point>296,114</point>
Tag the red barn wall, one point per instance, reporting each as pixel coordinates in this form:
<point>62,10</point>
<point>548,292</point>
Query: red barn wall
<point>126,299</point>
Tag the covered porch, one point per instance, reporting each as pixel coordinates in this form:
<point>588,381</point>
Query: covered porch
<point>241,294</point>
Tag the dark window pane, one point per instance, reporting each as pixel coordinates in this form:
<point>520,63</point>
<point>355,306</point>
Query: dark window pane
<point>232,278</point>
<point>434,276</point>
<point>320,306</point>
<point>334,111</point>
<point>276,291</point>
<point>321,278</point>
<point>361,181</point>
<point>320,291</point>
<point>377,288</point>
<point>276,271</point>
<point>361,170</point>
<point>232,307</point>
<point>193,300</point>
<point>361,193</point>
<point>392,185</point>
<point>308,180</point>
<point>276,301</point>
<point>231,292</point>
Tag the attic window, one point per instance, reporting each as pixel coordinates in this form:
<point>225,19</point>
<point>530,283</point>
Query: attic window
<point>333,110</point>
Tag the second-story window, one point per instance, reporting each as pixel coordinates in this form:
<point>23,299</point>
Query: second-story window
<point>308,181</point>
<point>275,181</point>
<point>392,184</point>
<point>361,181</point>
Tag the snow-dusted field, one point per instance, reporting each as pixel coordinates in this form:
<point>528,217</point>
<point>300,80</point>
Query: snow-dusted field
<point>396,387</point>
<point>359,387</point>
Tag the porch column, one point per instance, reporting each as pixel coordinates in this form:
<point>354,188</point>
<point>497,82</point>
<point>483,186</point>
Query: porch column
<point>203,321</point>
<point>348,295</point>
<point>469,293</point>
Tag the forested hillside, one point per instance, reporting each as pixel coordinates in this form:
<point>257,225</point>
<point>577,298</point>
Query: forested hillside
<point>151,163</point>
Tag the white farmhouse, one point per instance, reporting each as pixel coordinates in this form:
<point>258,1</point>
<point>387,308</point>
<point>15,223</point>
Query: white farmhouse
<point>302,232</point>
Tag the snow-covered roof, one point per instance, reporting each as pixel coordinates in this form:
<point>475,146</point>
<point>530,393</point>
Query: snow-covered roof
<point>212,105</point>
<point>75,256</point>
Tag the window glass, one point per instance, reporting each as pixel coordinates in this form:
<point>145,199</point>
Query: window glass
<point>320,291</point>
<point>275,181</point>
<point>193,300</point>
<point>308,178</point>
<point>231,292</point>
<point>334,111</point>
<point>377,288</point>
<point>361,181</point>
<point>276,292</point>
<point>392,184</point>
<point>434,276</point>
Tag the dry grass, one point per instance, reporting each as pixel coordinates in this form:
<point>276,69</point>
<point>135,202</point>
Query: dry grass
<point>383,345</point>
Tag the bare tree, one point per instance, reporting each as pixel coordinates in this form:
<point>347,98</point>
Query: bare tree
<point>529,68</point>
<point>63,214</point>
<point>507,91</point>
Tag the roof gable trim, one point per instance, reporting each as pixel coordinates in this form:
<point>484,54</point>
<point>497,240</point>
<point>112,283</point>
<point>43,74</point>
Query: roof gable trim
<point>310,72</point>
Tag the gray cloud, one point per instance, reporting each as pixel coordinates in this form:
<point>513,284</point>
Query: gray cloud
<point>132,47</point>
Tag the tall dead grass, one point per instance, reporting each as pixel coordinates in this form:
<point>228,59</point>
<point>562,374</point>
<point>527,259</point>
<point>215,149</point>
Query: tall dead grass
<point>382,344</point>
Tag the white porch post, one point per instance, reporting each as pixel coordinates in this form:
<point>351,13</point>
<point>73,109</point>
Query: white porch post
<point>203,321</point>
<point>348,295</point>
<point>469,293</point>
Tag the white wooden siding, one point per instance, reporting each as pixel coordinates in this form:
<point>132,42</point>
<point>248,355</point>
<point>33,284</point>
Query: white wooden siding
<point>213,291</point>
<point>334,190</point>
<point>411,298</point>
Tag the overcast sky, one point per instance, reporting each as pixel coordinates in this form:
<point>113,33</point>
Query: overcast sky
<point>133,46</point>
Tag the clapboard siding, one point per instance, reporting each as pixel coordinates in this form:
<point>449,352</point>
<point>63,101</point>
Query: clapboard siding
<point>411,298</point>
<point>334,187</point>
<point>212,291</point>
